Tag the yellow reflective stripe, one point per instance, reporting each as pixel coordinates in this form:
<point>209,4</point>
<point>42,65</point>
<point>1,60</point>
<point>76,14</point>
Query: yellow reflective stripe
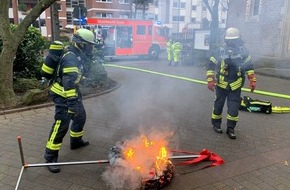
<point>213,60</point>
<point>250,72</point>
<point>70,70</point>
<point>70,93</point>
<point>254,79</point>
<point>56,47</point>
<point>47,69</point>
<point>76,134</point>
<point>243,103</point>
<point>209,79</point>
<point>222,68</point>
<point>56,88</point>
<point>78,79</point>
<point>224,86</point>
<point>237,84</point>
<point>213,116</point>
<point>222,83</point>
<point>210,73</point>
<point>232,118</point>
<point>248,59</point>
<point>50,145</point>
<point>261,103</point>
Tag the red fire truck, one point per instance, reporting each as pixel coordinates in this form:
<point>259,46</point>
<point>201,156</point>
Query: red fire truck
<point>125,37</point>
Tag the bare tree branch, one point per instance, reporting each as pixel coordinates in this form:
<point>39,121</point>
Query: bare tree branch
<point>208,6</point>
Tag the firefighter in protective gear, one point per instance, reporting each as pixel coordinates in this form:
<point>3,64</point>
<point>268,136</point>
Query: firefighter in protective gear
<point>100,49</point>
<point>226,72</point>
<point>67,97</point>
<point>176,48</point>
<point>169,49</point>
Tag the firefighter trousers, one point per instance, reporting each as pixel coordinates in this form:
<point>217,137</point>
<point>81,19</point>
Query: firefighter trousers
<point>176,56</point>
<point>233,103</point>
<point>61,126</point>
<point>169,55</point>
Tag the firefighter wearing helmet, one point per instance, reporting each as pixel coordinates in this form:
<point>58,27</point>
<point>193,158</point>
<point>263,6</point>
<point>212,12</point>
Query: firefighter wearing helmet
<point>226,73</point>
<point>169,50</point>
<point>176,49</point>
<point>67,97</point>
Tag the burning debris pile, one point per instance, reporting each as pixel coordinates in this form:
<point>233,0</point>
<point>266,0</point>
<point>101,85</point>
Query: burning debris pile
<point>140,163</point>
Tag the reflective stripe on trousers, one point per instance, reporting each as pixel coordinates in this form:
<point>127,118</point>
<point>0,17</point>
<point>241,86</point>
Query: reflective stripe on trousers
<point>61,126</point>
<point>233,103</point>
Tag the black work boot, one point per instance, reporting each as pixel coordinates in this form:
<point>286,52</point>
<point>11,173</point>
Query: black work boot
<point>231,133</point>
<point>51,157</point>
<point>217,129</point>
<point>53,168</point>
<point>79,144</point>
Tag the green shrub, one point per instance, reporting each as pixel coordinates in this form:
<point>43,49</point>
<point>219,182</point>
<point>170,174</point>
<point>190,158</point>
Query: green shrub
<point>22,7</point>
<point>29,56</point>
<point>22,85</point>
<point>96,74</point>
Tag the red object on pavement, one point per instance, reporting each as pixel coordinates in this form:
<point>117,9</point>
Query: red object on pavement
<point>205,155</point>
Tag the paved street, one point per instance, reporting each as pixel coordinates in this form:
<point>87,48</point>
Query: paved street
<point>152,103</point>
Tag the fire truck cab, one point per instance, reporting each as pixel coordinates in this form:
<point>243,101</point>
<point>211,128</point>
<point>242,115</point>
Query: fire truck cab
<point>125,37</point>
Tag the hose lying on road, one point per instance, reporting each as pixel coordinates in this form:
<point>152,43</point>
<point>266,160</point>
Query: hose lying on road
<point>272,94</point>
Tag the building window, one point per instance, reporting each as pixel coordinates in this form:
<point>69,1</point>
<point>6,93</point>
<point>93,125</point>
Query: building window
<point>203,6</point>
<point>105,1</point>
<point>104,15</point>
<point>193,7</point>
<point>253,10</point>
<point>123,15</point>
<point>182,5</point>
<point>156,3</point>
<point>178,4</point>
<point>178,18</point>
<point>155,17</point>
<point>193,20</point>
<point>59,6</point>
<point>256,7</point>
<point>60,24</point>
<point>124,1</point>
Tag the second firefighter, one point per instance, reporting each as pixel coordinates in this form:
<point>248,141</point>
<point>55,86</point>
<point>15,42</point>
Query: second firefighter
<point>226,72</point>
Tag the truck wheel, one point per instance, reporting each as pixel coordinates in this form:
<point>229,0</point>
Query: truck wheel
<point>154,53</point>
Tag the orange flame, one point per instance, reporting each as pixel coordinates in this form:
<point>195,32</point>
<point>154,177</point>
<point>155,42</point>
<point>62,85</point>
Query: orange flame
<point>147,156</point>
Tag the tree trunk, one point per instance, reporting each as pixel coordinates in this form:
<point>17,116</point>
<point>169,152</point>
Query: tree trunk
<point>55,33</point>
<point>7,95</point>
<point>11,41</point>
<point>214,27</point>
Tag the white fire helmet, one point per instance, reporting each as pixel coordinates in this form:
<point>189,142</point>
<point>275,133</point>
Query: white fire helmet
<point>232,33</point>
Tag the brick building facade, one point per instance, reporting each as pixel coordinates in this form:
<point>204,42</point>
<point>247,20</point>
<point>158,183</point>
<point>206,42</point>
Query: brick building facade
<point>264,26</point>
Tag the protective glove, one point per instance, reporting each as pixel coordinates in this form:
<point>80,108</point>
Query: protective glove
<point>252,79</point>
<point>73,109</point>
<point>211,83</point>
<point>252,85</point>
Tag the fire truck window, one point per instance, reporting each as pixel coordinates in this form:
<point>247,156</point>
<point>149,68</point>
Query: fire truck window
<point>149,30</point>
<point>141,30</point>
<point>124,37</point>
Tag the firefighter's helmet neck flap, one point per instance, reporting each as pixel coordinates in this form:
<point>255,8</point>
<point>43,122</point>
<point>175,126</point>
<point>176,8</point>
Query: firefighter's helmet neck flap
<point>84,40</point>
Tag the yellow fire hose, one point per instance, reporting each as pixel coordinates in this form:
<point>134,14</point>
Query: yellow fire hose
<point>275,109</point>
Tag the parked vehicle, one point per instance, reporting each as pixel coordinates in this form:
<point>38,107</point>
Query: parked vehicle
<point>125,37</point>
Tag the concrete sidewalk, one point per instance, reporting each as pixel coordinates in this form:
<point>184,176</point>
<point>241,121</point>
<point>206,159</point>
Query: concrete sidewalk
<point>257,159</point>
<point>274,72</point>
